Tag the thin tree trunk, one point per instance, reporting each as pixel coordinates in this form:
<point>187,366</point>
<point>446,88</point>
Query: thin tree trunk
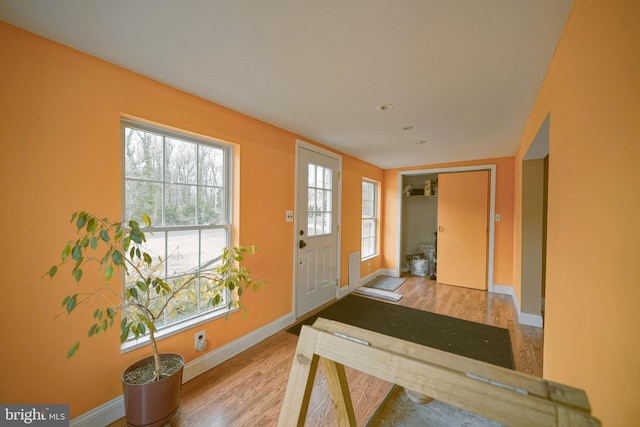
<point>156,355</point>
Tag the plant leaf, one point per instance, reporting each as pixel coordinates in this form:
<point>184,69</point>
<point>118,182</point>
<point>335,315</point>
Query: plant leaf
<point>146,219</point>
<point>52,271</point>
<point>78,275</point>
<point>92,330</point>
<point>108,272</point>
<point>72,303</point>
<point>94,242</point>
<point>73,349</point>
<point>92,225</point>
<point>117,258</point>
<point>104,235</point>
<point>66,252</point>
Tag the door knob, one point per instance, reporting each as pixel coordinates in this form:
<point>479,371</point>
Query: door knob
<point>302,244</point>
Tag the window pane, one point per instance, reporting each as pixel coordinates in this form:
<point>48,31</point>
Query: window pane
<point>211,166</point>
<point>180,162</point>
<point>326,223</point>
<point>184,255</point>
<point>143,197</point>
<point>311,175</point>
<point>211,206</point>
<point>143,155</point>
<point>212,242</point>
<point>180,205</point>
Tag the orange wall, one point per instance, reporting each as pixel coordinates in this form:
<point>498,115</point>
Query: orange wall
<point>354,171</point>
<point>592,92</point>
<point>60,152</point>
<point>503,263</point>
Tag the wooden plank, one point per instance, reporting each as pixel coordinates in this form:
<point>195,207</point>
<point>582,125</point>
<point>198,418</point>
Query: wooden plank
<point>413,366</point>
<point>300,384</point>
<point>532,385</point>
<point>569,396</point>
<point>339,389</point>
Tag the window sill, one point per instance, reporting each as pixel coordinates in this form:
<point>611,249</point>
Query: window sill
<point>369,257</point>
<point>134,344</point>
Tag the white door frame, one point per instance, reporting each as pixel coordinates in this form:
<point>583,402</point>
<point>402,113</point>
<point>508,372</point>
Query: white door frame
<point>296,238</point>
<point>492,211</point>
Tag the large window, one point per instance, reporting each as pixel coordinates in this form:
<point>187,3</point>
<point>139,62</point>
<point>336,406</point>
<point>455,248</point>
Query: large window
<point>369,219</point>
<point>182,183</point>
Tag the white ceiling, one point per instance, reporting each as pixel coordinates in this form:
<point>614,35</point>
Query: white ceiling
<point>463,73</point>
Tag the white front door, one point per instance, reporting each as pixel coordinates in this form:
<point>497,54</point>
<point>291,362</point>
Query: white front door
<point>317,233</point>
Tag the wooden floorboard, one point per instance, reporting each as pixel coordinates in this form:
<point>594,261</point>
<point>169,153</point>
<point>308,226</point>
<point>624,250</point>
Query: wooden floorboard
<point>248,389</point>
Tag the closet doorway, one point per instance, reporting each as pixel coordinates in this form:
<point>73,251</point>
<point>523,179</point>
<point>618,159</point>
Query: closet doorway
<point>420,227</point>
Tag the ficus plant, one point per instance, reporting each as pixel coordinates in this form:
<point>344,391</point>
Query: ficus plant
<point>119,249</point>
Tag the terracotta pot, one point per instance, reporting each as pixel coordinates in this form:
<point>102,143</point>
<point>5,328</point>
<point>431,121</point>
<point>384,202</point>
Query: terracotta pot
<point>153,404</point>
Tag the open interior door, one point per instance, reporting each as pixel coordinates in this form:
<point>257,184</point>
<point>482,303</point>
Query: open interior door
<point>463,229</point>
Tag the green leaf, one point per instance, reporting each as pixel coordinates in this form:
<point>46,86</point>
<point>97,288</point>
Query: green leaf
<point>94,242</point>
<point>66,252</point>
<point>82,220</point>
<point>52,271</point>
<point>78,275</point>
<point>76,253</point>
<point>92,330</point>
<point>108,272</point>
<point>66,300</point>
<point>124,332</point>
<point>111,312</point>
<point>137,235</point>
<point>104,235</point>
<point>96,313</point>
<point>131,293</point>
<point>73,216</point>
<point>147,258</point>
<point>146,219</point>
<point>73,349</point>
<point>92,225</point>
<point>104,325</point>
<point>72,303</point>
<point>119,232</point>
<point>142,285</point>
<point>117,258</point>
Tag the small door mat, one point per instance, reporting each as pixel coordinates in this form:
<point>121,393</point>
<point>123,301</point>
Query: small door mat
<point>385,283</point>
<point>470,339</point>
<point>378,293</point>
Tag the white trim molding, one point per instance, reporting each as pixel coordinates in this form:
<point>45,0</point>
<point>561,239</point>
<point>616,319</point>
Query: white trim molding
<point>523,318</point>
<point>113,410</point>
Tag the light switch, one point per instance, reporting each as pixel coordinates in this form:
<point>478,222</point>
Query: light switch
<point>289,216</point>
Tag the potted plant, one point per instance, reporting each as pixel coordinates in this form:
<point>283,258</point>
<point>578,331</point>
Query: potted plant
<point>119,247</point>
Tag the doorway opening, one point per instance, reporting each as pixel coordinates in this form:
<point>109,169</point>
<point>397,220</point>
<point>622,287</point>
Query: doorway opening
<point>535,172</point>
<point>407,242</point>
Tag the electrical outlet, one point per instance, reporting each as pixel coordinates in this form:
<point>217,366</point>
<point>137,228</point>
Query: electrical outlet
<point>368,266</point>
<point>200,340</point>
<point>288,216</point>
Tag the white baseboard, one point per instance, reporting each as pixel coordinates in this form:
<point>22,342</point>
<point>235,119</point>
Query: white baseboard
<point>523,318</point>
<point>113,410</point>
<point>388,272</point>
<point>101,416</point>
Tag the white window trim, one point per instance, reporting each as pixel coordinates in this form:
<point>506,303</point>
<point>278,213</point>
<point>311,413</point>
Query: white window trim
<point>376,218</point>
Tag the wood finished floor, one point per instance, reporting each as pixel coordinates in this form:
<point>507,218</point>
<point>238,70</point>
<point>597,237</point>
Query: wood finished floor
<point>248,389</point>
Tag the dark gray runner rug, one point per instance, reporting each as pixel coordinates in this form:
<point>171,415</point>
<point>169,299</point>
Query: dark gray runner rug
<point>470,339</point>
